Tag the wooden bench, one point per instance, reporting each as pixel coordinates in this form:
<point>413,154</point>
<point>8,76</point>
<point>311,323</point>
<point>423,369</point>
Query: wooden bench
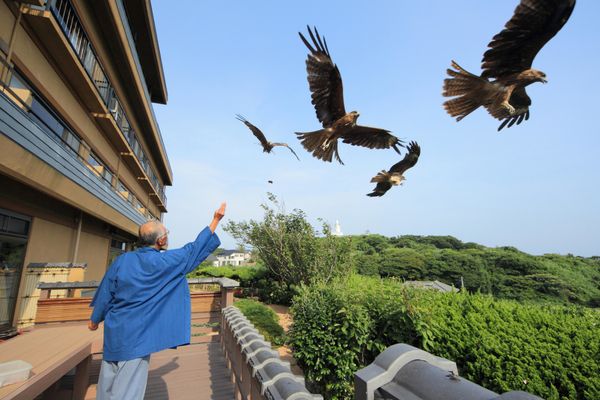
<point>53,352</point>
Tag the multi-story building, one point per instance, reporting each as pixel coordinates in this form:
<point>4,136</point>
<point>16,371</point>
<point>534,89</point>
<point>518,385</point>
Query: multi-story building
<point>230,257</point>
<point>82,161</point>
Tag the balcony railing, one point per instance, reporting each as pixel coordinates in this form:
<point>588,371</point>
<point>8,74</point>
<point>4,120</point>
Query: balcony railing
<point>68,20</point>
<point>27,100</point>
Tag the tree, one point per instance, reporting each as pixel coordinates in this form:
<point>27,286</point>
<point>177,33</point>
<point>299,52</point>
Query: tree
<point>292,251</point>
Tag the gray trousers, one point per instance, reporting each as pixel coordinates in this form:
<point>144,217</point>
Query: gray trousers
<point>123,380</point>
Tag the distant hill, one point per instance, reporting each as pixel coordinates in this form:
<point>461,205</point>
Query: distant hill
<point>504,272</point>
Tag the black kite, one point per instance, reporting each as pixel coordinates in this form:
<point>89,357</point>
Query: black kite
<point>386,179</point>
<point>508,62</point>
<point>325,83</point>
<point>266,145</point>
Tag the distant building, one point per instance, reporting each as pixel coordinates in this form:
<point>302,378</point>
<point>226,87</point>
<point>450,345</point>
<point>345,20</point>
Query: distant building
<point>337,230</point>
<point>435,285</point>
<point>231,257</point>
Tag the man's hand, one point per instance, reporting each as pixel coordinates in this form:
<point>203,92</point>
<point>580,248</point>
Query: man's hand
<point>92,326</point>
<point>219,214</point>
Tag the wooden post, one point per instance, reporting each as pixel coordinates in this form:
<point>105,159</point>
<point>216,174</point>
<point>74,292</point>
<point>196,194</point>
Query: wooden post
<point>82,378</point>
<point>226,297</point>
<point>45,294</point>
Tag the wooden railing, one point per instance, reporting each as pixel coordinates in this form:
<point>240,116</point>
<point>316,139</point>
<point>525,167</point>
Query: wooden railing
<point>78,308</point>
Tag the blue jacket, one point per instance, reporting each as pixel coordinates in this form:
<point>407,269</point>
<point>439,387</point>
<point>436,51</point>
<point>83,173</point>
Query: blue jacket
<point>144,299</point>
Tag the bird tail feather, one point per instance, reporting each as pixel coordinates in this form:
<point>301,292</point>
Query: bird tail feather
<point>314,142</point>
<point>465,85</point>
<point>383,176</point>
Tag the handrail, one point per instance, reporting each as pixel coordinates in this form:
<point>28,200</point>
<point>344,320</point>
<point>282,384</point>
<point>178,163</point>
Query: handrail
<point>57,265</point>
<point>227,287</point>
<point>68,285</point>
<point>223,282</point>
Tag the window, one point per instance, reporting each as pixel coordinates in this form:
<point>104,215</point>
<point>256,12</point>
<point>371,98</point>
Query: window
<point>107,176</point>
<point>71,140</point>
<point>23,94</point>
<point>117,247</point>
<point>139,206</point>
<point>125,128</point>
<point>46,119</point>
<point>122,190</point>
<point>94,165</point>
<point>14,225</point>
<point>49,121</point>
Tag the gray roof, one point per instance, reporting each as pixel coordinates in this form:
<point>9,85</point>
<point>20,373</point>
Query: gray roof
<point>230,252</point>
<point>436,285</point>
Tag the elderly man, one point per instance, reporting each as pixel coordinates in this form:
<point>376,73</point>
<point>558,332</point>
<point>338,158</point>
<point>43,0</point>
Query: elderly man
<point>144,302</point>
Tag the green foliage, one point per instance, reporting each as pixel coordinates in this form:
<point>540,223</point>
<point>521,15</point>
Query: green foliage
<point>329,335</point>
<point>551,351</point>
<point>264,319</point>
<point>504,272</point>
<point>246,275</point>
<point>292,251</point>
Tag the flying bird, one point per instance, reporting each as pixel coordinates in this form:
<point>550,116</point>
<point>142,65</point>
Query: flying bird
<point>386,179</point>
<point>325,83</point>
<point>266,145</point>
<point>508,63</point>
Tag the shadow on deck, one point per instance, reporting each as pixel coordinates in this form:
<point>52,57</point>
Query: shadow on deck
<point>197,371</point>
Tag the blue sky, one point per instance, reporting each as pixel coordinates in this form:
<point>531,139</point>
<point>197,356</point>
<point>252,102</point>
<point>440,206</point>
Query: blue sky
<point>535,186</point>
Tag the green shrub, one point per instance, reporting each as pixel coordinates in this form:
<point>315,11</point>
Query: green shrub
<point>329,336</point>
<point>246,275</point>
<point>292,251</point>
<point>550,351</point>
<point>264,319</point>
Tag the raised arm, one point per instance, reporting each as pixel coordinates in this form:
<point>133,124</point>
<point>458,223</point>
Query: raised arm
<point>219,214</point>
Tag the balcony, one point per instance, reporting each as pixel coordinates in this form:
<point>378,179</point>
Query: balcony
<point>20,128</point>
<point>59,29</point>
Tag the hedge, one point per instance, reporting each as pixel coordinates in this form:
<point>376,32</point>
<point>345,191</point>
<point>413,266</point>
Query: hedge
<point>264,319</point>
<point>503,345</point>
<point>246,275</point>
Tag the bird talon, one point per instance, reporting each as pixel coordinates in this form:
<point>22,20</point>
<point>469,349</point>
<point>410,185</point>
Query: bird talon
<point>511,110</point>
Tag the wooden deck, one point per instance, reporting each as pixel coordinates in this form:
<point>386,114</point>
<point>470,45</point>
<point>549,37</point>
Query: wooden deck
<point>197,371</point>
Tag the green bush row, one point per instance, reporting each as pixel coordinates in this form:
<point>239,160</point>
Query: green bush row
<point>246,275</point>
<point>550,351</point>
<point>264,319</point>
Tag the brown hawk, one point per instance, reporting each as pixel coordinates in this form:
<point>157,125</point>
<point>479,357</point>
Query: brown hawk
<point>508,62</point>
<point>325,83</point>
<point>386,179</point>
<point>266,145</point>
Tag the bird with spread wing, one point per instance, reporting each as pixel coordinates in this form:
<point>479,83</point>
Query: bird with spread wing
<point>266,145</point>
<point>508,62</point>
<point>386,179</point>
<point>325,83</point>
